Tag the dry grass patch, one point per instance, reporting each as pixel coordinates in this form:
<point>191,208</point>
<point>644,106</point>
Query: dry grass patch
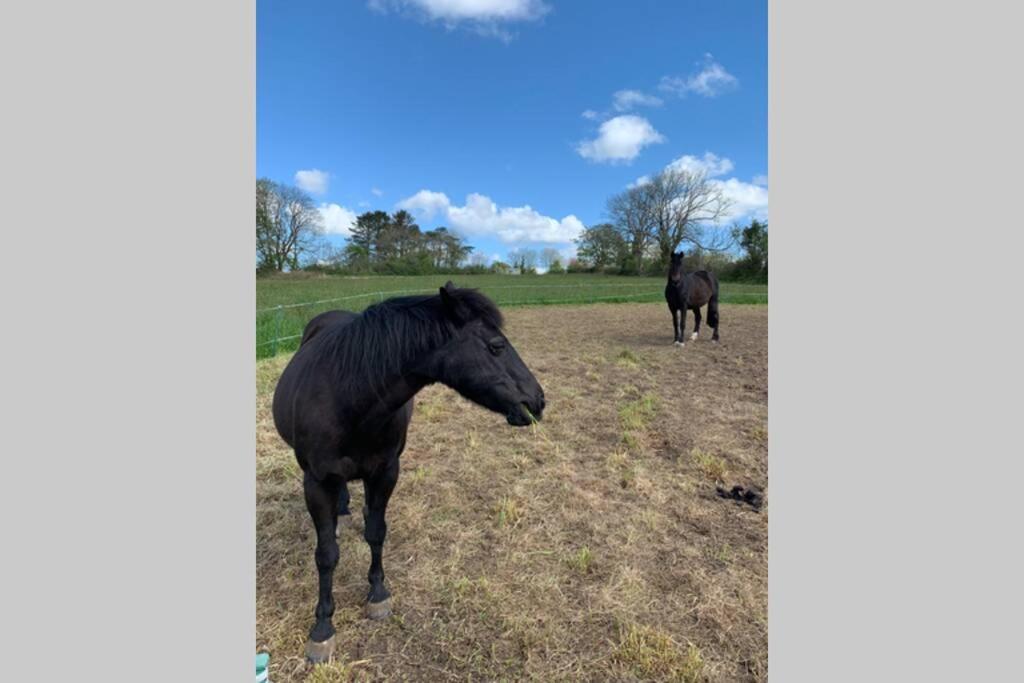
<point>712,466</point>
<point>652,655</point>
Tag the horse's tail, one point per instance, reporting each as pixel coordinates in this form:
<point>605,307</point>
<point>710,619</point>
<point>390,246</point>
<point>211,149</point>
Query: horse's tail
<point>713,302</point>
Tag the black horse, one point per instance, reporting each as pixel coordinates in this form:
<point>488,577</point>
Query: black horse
<point>690,291</point>
<point>345,400</point>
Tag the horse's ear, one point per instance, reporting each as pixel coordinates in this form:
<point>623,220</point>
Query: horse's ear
<point>453,306</point>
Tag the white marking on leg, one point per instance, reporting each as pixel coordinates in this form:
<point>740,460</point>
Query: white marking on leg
<point>693,336</point>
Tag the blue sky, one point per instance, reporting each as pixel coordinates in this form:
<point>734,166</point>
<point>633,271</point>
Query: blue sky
<point>509,121</point>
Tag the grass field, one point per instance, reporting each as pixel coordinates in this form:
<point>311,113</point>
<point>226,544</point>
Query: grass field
<point>590,547</point>
<point>320,293</point>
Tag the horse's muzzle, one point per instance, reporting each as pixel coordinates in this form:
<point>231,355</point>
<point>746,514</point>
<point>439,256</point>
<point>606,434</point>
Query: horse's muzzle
<point>527,412</point>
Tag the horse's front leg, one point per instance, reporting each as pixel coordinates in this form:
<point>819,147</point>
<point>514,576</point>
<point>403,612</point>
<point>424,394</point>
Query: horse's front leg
<point>378,491</point>
<point>677,331</point>
<point>696,324</point>
<point>321,501</point>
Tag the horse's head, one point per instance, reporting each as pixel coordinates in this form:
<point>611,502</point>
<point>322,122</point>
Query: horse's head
<point>480,363</point>
<point>675,269</point>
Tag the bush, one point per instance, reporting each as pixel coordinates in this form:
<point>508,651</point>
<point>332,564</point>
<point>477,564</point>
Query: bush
<point>576,266</point>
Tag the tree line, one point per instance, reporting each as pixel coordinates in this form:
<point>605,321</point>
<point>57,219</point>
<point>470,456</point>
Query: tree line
<point>676,208</point>
<point>290,236</point>
<point>394,243</point>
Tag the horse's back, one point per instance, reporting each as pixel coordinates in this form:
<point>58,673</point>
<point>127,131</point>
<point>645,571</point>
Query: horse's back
<point>325,320</point>
<point>703,286</point>
<point>300,384</point>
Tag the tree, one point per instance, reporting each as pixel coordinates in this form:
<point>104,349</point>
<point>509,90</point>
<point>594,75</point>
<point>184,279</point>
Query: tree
<point>632,218</point>
<point>446,249</point>
<point>601,245</point>
<point>549,256</point>
<point>523,260</point>
<point>288,226</point>
<point>399,238</point>
<point>556,267</point>
<point>680,205</point>
<point>366,235</point>
<point>501,268</point>
<point>675,206</point>
<point>435,244</point>
<point>356,257</point>
<point>456,251</point>
<point>754,241</point>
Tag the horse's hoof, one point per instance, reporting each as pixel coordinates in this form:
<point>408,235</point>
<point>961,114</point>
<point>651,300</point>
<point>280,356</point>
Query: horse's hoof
<point>319,652</point>
<point>678,343</point>
<point>693,336</point>
<point>379,610</point>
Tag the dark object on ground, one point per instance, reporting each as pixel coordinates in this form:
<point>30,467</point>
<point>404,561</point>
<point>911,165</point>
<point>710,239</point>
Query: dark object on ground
<point>743,495</point>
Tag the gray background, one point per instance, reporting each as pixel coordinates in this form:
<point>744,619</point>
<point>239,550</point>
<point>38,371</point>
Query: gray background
<point>127,491</point>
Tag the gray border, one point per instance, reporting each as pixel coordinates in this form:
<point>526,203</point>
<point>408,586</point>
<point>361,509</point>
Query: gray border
<point>128,489</point>
<point>894,139</point>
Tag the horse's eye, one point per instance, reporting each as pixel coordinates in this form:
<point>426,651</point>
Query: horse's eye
<point>496,345</point>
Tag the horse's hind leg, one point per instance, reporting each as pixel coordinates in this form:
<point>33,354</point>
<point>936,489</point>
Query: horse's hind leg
<point>378,491</point>
<point>696,326</point>
<point>321,501</point>
<point>344,514</point>
<point>713,317</point>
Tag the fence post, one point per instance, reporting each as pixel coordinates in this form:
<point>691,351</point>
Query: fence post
<point>277,329</point>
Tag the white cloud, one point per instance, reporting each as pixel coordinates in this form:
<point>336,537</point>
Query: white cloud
<point>711,164</point>
<point>481,216</point>
<point>620,140</point>
<point>624,100</point>
<point>483,16</point>
<point>313,180</point>
<point>761,180</point>
<point>337,219</point>
<point>747,200</point>
<point>377,192</point>
<point>426,203</point>
<point>710,81</point>
<point>590,114</point>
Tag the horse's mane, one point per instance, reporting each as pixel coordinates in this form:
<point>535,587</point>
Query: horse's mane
<point>379,341</point>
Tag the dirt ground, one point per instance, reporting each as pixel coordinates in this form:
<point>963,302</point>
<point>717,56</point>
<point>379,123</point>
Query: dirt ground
<point>590,547</point>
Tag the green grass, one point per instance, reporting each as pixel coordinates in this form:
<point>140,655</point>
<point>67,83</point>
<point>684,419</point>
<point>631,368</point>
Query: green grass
<point>319,293</point>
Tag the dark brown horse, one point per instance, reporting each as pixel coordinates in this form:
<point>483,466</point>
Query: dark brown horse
<point>690,291</point>
<point>345,400</point>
